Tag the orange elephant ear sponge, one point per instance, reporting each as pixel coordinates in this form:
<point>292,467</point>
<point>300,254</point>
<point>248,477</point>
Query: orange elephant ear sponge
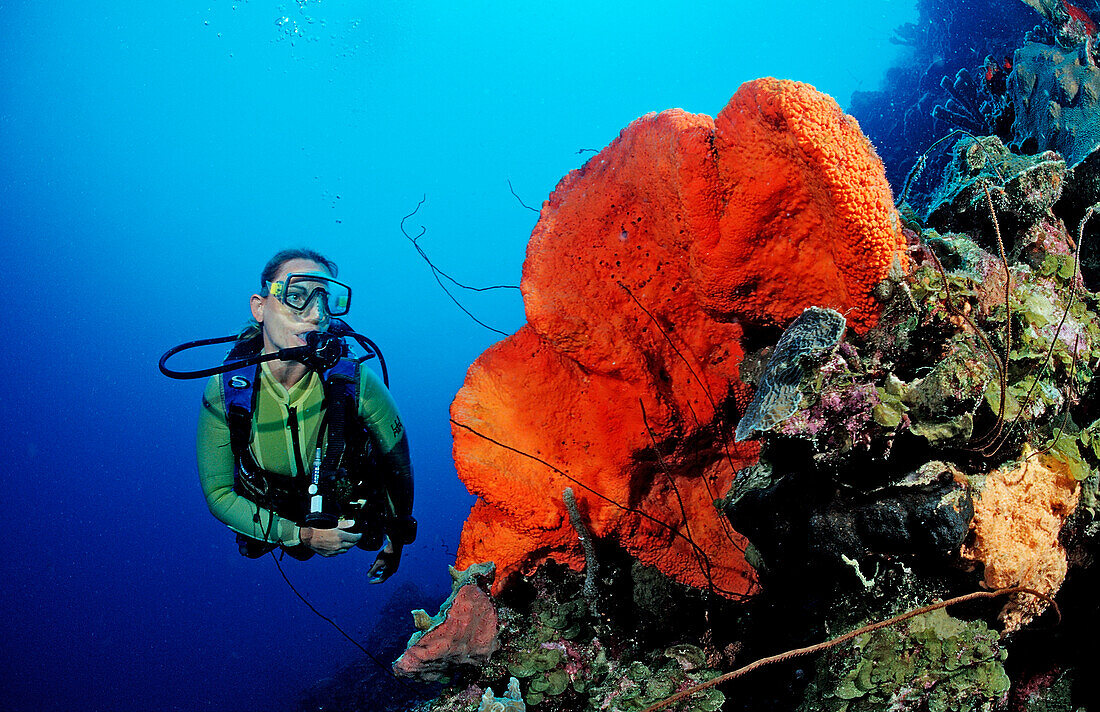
<point>641,270</point>
<point>807,216</point>
<point>613,387</point>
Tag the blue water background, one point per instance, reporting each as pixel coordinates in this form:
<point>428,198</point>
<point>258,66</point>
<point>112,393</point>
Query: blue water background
<point>153,156</point>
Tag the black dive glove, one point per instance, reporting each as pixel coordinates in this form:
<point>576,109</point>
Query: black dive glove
<point>399,532</point>
<point>386,563</point>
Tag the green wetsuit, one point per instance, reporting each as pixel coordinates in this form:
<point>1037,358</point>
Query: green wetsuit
<point>273,447</point>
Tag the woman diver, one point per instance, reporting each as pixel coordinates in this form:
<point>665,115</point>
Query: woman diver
<point>299,445</point>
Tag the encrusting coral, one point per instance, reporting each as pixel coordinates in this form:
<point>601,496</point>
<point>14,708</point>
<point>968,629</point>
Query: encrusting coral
<point>637,273</point>
<point>1057,96</point>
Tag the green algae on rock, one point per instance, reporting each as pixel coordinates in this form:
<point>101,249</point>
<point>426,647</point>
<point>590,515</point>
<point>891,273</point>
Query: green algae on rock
<point>932,662</point>
<point>639,685</point>
<point>558,654</point>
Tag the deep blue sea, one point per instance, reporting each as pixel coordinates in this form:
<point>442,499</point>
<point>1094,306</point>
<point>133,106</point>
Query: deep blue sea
<point>154,155</point>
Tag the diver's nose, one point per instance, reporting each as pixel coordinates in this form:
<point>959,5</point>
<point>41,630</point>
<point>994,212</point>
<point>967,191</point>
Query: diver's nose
<point>315,313</point>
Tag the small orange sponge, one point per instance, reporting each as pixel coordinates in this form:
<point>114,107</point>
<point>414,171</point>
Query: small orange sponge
<point>1018,516</point>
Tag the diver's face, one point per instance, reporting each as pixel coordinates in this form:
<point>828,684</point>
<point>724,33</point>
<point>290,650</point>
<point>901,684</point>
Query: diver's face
<point>284,328</point>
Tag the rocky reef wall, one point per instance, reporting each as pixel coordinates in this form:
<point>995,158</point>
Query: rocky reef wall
<point>790,404</point>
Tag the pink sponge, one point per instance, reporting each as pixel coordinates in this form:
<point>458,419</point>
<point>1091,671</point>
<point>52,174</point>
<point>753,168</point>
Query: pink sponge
<point>464,632</point>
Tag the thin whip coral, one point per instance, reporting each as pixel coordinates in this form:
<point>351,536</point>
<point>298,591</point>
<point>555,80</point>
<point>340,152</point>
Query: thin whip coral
<point>989,443</point>
<point>817,648</point>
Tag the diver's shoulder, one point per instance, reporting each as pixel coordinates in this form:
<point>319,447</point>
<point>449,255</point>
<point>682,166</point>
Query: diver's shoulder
<point>213,399</point>
<point>369,380</point>
<point>372,390</point>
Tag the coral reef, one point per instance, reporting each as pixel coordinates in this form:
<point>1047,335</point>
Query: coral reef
<point>965,107</point>
<point>556,655</point>
<point>949,36</point>
<point>1037,93</point>
<point>463,632</point>
<point>1056,93</point>
<point>786,412</point>
<point>510,702</point>
<point>1023,199</point>
<point>640,274</point>
<point>957,431</point>
<point>556,652</point>
<point>1071,22</point>
<point>638,686</point>
<point>879,458</point>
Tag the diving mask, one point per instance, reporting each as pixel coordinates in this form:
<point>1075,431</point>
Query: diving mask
<point>298,290</point>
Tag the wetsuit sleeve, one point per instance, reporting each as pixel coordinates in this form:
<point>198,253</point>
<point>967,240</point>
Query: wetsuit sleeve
<point>216,467</point>
<point>378,410</point>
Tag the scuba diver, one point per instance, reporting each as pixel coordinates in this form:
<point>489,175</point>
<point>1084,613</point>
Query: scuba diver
<point>300,445</point>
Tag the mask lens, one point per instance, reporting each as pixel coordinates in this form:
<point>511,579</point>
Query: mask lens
<point>338,303</point>
<point>302,289</point>
<point>296,297</point>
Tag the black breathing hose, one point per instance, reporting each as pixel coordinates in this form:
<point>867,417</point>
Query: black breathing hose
<point>321,352</point>
<point>205,372</point>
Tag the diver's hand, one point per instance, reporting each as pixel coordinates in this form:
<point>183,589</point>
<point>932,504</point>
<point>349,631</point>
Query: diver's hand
<point>330,542</point>
<point>386,563</point>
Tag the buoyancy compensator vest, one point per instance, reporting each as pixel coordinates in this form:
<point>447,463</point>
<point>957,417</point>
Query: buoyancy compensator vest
<point>341,481</point>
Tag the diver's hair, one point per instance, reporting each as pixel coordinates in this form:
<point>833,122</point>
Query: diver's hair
<point>295,253</point>
<point>271,269</point>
